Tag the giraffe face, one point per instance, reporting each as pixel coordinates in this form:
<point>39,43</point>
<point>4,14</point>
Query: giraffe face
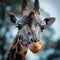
<point>29,30</point>
<point>29,27</point>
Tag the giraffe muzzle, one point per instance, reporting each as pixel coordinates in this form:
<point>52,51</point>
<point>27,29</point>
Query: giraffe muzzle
<point>35,45</point>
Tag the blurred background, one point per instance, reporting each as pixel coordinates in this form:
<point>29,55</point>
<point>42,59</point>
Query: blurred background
<point>50,38</point>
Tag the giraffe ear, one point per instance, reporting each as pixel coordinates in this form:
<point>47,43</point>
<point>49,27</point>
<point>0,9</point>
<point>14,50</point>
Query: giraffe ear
<point>49,21</point>
<point>12,16</point>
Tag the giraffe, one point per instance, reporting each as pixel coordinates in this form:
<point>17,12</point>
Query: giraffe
<point>29,25</point>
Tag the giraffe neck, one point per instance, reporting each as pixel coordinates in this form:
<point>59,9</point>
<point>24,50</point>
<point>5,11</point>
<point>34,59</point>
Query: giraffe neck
<point>17,51</point>
<point>20,52</point>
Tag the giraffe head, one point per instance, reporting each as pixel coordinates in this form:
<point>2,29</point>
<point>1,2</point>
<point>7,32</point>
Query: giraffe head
<point>30,26</point>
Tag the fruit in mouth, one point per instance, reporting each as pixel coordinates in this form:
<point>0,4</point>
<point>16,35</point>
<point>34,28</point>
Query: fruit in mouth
<point>35,47</point>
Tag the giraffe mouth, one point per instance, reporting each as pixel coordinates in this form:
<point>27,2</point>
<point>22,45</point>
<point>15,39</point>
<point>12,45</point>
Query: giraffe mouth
<point>35,47</point>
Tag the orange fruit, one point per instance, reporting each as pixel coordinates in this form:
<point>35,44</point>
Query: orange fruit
<point>35,47</point>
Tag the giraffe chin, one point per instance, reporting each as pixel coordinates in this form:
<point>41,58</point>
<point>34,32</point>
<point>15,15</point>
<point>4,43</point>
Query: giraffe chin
<point>35,47</point>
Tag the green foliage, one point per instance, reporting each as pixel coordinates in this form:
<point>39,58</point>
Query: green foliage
<point>11,2</point>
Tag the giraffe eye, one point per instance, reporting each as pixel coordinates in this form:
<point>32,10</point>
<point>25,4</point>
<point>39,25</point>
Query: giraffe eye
<point>20,37</point>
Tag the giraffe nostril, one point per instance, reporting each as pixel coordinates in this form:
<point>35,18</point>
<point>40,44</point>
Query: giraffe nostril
<point>34,40</point>
<point>31,39</point>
